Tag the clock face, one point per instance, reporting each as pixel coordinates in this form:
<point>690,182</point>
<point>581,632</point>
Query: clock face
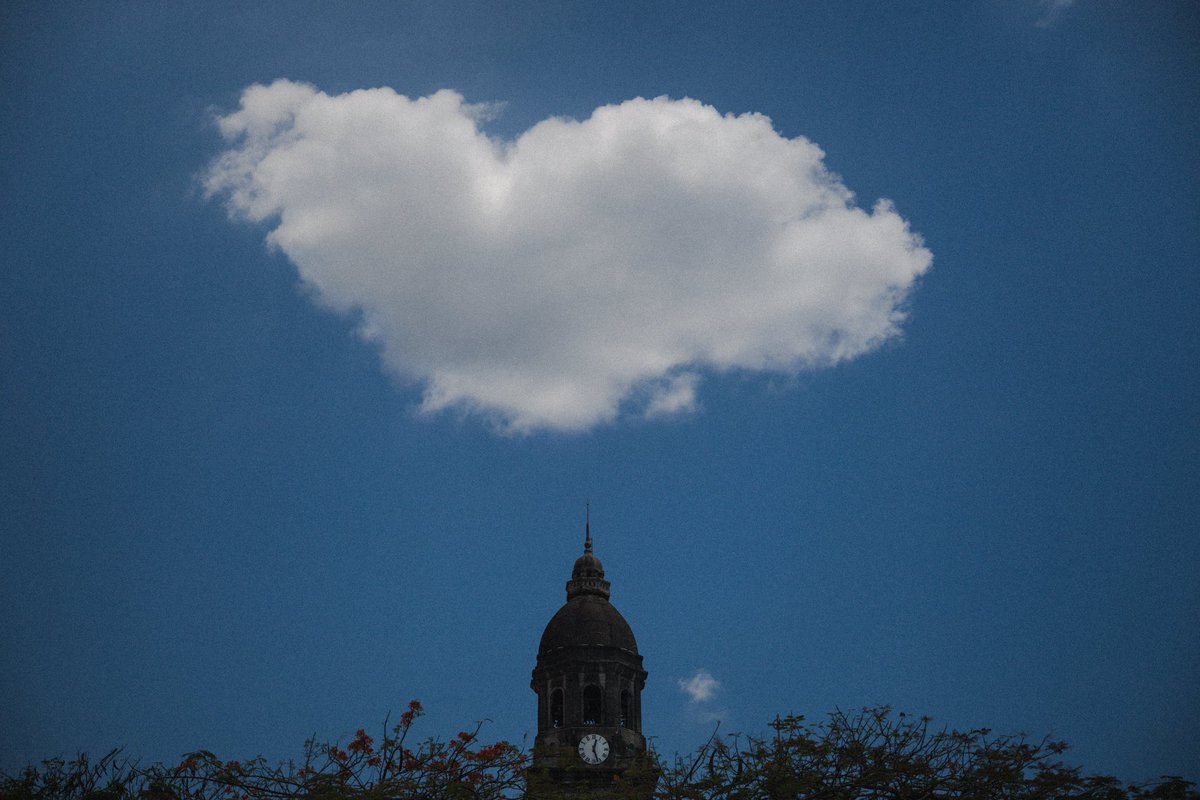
<point>593,748</point>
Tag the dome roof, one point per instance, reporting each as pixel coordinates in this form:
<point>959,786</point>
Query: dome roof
<point>587,620</point>
<point>587,566</point>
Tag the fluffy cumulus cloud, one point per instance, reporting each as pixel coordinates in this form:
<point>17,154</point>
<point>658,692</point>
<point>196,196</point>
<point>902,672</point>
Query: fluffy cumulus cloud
<point>584,270</point>
<point>701,687</point>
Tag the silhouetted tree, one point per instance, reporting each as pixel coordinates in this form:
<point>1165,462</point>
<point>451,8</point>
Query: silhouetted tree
<point>877,755</point>
<point>109,778</point>
<point>869,755</point>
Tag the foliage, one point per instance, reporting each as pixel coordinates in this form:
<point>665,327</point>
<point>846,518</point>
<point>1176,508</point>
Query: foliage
<point>460,767</point>
<point>870,755</point>
<point>878,755</point>
<point>110,778</point>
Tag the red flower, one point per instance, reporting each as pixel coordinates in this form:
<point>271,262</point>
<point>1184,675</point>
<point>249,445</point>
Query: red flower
<point>362,743</point>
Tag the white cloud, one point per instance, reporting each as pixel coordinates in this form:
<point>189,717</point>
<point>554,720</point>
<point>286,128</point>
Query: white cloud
<point>1051,11</point>
<point>701,687</point>
<point>586,269</point>
<point>678,394</point>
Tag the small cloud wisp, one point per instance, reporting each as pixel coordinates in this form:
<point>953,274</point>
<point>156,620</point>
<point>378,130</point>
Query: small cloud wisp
<point>701,687</point>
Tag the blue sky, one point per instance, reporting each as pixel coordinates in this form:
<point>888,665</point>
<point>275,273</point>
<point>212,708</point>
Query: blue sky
<point>253,491</point>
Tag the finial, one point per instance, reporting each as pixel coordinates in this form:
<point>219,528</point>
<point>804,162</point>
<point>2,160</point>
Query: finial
<point>587,528</point>
<point>587,578</point>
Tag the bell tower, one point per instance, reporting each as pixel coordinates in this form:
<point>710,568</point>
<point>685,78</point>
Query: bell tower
<point>589,681</point>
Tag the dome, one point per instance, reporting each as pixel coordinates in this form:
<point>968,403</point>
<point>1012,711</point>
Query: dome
<point>587,566</point>
<point>587,620</point>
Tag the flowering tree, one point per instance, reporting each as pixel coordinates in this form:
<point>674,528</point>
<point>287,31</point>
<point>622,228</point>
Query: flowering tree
<point>392,767</point>
<point>870,755</point>
<point>877,755</point>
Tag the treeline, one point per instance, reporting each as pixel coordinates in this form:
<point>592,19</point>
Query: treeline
<point>873,754</point>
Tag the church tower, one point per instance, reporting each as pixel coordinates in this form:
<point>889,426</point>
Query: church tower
<point>589,681</point>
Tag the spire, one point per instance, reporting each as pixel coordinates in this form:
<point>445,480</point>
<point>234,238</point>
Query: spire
<point>588,575</point>
<point>587,528</point>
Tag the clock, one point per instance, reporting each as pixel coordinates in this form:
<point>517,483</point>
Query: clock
<point>593,748</point>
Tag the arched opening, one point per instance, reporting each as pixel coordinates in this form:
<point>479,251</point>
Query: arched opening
<point>593,705</point>
<point>556,708</point>
<point>626,709</point>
